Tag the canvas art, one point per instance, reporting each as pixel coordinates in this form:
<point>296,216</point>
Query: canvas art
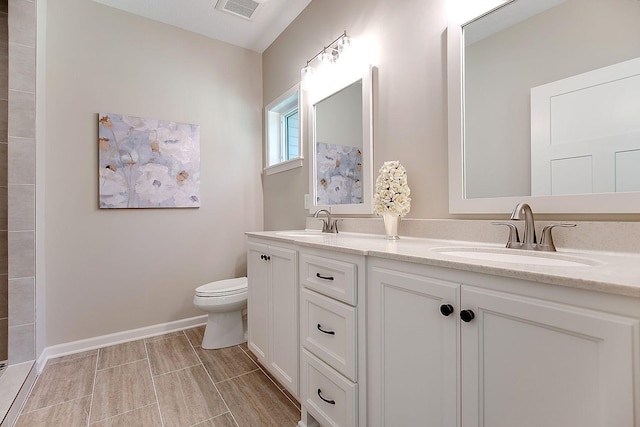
<point>339,172</point>
<point>148,163</point>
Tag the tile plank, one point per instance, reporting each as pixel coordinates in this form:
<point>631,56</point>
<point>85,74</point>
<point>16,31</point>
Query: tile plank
<point>62,382</point>
<point>224,420</point>
<point>187,397</point>
<point>171,354</point>
<point>122,389</point>
<point>122,353</point>
<point>148,416</point>
<point>225,363</point>
<point>73,413</point>
<point>255,401</point>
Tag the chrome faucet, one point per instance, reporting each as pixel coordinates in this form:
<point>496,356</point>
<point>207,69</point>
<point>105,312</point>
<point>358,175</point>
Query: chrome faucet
<point>328,225</point>
<point>522,211</point>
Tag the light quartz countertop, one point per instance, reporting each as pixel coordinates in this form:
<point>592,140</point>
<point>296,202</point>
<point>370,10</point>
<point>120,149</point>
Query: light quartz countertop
<point>609,272</point>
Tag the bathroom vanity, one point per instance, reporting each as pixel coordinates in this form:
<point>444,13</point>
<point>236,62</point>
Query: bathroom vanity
<point>424,332</point>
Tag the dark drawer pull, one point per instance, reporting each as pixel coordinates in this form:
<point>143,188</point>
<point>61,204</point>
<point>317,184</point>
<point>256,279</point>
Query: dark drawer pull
<point>330,402</point>
<point>325,331</point>
<point>324,277</point>
<point>467,315</point>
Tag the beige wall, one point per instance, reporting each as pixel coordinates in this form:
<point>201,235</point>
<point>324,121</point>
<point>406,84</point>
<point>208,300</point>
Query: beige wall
<point>114,270</point>
<point>410,96</point>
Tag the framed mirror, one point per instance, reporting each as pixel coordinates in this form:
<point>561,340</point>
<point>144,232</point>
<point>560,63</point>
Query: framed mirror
<point>341,148</point>
<point>544,107</point>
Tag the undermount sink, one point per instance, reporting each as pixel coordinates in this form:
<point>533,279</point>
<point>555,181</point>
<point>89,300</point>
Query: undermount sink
<point>515,256</point>
<point>304,233</point>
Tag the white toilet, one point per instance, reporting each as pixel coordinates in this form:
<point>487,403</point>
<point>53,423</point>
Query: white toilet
<point>224,300</point>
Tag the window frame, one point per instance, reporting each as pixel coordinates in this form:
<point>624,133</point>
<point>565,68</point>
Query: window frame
<point>275,141</point>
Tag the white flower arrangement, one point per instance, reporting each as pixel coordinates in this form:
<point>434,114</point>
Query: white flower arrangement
<point>392,191</point>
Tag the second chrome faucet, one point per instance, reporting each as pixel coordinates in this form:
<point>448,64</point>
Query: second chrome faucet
<point>328,225</point>
<point>523,212</point>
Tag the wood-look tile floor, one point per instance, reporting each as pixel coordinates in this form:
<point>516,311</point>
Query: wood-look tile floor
<point>169,380</point>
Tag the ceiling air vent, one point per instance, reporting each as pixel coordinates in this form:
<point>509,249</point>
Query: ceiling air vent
<point>242,8</point>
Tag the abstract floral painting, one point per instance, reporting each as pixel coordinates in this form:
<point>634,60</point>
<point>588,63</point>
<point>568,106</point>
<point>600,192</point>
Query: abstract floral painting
<point>339,172</point>
<point>148,163</point>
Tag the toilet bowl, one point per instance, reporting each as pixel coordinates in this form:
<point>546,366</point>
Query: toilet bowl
<point>224,301</point>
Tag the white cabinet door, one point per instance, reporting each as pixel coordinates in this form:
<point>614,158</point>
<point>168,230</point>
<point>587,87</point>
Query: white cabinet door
<point>412,350</point>
<point>532,363</point>
<point>284,349</point>
<point>258,274</point>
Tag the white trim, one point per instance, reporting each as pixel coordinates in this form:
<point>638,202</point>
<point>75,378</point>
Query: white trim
<point>116,338</point>
<point>273,113</point>
<point>284,166</point>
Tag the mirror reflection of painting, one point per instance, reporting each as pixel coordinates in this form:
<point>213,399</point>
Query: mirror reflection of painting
<point>339,174</point>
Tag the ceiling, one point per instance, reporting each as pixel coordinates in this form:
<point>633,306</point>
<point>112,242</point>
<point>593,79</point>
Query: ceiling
<point>201,16</point>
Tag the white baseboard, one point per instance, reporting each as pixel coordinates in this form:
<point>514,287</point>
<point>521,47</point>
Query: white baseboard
<point>116,338</point>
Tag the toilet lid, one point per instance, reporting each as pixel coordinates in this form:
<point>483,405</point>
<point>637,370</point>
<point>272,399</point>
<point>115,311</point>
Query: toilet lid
<point>223,287</point>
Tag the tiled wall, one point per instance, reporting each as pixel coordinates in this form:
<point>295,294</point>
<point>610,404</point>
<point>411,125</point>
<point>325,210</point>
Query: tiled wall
<point>4,94</point>
<point>21,179</point>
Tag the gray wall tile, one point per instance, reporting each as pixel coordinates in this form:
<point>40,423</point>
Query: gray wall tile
<point>4,340</point>
<point>21,207</point>
<point>21,254</point>
<point>4,120</point>
<point>21,301</point>
<point>21,343</point>
<point>4,159</point>
<point>22,23</point>
<point>21,160</point>
<point>4,252</point>
<point>4,34</point>
<point>22,68</point>
<point>22,114</point>
<point>4,295</point>
<point>4,76</point>
<point>4,223</point>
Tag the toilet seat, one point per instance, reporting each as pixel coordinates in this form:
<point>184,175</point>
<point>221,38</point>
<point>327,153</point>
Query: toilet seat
<point>223,288</point>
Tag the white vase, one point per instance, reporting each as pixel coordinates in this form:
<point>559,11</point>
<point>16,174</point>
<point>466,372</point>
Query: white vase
<point>391,226</point>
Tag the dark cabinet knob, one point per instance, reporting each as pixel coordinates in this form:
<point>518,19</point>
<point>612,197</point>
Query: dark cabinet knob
<point>467,315</point>
<point>446,309</point>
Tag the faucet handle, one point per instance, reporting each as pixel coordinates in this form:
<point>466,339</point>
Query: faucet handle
<point>514,238</point>
<point>334,225</point>
<point>546,242</point>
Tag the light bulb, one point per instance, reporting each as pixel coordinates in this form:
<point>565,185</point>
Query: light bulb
<point>306,76</point>
<point>344,44</point>
<point>327,57</point>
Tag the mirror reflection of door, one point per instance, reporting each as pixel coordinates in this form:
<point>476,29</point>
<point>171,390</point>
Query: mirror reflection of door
<point>585,132</point>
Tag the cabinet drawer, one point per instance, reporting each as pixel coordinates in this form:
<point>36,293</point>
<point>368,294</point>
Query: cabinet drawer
<point>327,395</point>
<point>330,277</point>
<point>328,330</point>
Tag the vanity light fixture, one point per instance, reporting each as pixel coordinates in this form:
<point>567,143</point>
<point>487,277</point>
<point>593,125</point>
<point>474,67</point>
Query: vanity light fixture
<point>328,56</point>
